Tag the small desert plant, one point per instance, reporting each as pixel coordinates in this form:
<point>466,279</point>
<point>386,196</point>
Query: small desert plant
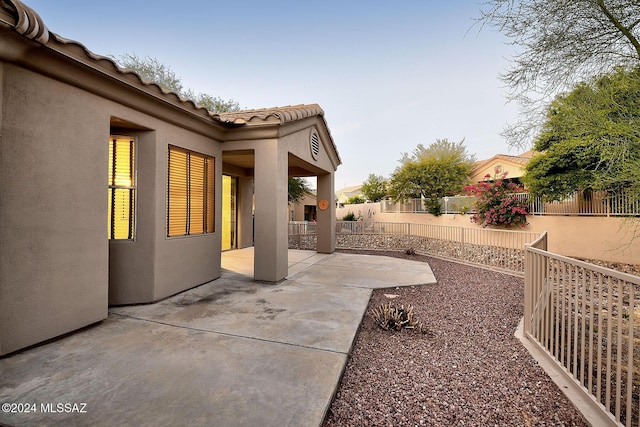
<point>410,251</point>
<point>391,318</point>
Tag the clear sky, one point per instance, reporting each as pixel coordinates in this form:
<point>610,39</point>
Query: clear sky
<point>388,74</point>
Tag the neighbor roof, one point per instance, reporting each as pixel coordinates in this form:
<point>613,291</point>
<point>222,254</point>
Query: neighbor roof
<point>354,189</point>
<point>520,159</point>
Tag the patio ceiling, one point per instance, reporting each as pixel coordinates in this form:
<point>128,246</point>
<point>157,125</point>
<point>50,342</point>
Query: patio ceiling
<point>245,161</point>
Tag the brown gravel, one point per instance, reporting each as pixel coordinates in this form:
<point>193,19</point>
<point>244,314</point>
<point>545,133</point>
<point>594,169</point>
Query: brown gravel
<point>468,369</point>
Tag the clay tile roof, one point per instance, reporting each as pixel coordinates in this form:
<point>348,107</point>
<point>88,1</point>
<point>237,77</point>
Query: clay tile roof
<point>280,115</point>
<point>28,22</point>
<point>522,159</point>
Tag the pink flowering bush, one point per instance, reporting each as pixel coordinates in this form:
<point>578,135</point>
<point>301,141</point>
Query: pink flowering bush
<point>497,204</point>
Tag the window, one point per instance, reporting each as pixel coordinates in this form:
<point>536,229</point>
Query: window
<point>122,188</point>
<point>190,193</point>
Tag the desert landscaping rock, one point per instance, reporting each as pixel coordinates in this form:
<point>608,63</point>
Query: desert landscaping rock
<point>492,256</point>
<point>467,370</point>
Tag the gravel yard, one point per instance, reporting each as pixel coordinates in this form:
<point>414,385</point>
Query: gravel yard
<point>468,369</point>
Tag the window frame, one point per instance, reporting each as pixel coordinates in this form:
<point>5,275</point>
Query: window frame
<point>133,189</point>
<point>207,181</point>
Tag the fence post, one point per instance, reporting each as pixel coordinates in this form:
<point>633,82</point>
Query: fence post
<point>528,283</point>
<point>462,245</point>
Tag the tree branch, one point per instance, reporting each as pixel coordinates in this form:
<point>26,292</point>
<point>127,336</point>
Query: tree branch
<point>624,30</point>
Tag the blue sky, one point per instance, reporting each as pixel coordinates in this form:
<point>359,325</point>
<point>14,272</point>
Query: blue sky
<point>389,75</point>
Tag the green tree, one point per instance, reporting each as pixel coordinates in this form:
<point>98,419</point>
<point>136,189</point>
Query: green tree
<point>560,43</point>
<point>154,71</point>
<point>213,103</point>
<point>355,200</point>
<point>298,188</point>
<point>374,188</point>
<point>590,139</point>
<point>439,170</point>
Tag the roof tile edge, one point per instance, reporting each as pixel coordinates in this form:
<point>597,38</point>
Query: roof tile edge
<point>28,22</point>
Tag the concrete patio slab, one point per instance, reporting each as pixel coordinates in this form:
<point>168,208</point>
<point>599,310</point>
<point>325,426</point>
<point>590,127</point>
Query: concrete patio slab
<point>310,315</point>
<point>372,273</point>
<point>232,352</point>
<point>129,372</point>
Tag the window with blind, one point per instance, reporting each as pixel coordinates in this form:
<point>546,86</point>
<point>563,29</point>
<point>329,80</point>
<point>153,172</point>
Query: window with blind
<point>190,193</point>
<point>121,188</point>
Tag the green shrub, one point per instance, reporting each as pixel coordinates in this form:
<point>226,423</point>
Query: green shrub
<point>350,216</point>
<point>433,206</point>
<point>497,204</point>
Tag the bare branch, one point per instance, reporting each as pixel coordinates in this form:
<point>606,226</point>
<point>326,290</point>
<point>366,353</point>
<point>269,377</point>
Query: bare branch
<point>559,44</point>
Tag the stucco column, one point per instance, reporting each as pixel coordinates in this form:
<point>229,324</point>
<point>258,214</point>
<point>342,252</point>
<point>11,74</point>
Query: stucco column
<point>326,217</point>
<point>245,212</point>
<point>271,242</point>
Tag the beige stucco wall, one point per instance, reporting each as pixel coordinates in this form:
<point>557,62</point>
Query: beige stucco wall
<point>58,271</point>
<point>54,256</point>
<point>602,238</point>
<point>154,266</point>
<point>245,211</point>
<point>513,170</point>
<point>298,208</point>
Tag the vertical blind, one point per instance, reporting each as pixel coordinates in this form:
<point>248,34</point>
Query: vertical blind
<point>190,193</point>
<point>121,188</point>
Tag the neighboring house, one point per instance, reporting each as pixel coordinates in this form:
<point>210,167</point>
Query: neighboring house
<point>342,196</point>
<point>304,210</point>
<point>114,191</point>
<point>514,166</point>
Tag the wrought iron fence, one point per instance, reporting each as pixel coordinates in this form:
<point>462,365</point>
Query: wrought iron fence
<point>593,203</point>
<point>586,319</point>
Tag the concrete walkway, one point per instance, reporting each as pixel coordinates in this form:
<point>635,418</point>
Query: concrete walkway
<point>232,352</point>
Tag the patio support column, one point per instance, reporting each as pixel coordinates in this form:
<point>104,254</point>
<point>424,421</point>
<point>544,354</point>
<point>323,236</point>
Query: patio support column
<point>245,212</point>
<point>271,242</point>
<point>326,218</point>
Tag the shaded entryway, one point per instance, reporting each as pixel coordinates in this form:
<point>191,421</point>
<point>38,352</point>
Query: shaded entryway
<point>268,147</point>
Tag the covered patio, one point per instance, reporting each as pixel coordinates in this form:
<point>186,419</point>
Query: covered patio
<point>267,147</point>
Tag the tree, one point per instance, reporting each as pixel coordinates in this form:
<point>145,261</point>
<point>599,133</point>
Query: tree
<point>439,170</point>
<point>298,188</point>
<point>561,43</point>
<point>590,139</point>
<point>152,70</point>
<point>355,200</point>
<point>374,188</point>
<point>213,103</point>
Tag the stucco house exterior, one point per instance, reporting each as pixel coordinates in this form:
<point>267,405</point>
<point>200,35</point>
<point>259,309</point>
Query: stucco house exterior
<point>304,210</point>
<point>514,166</point>
<point>113,191</point>
<point>343,195</point>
